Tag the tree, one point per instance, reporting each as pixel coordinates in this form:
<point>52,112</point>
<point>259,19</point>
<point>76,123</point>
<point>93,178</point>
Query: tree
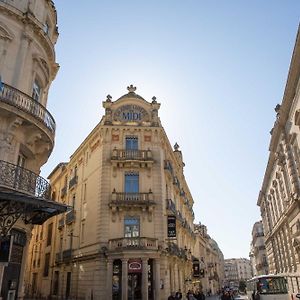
<point>242,286</point>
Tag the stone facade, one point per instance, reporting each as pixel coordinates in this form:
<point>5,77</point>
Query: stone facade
<point>28,34</point>
<point>131,229</point>
<point>280,193</point>
<point>259,261</point>
<point>236,270</point>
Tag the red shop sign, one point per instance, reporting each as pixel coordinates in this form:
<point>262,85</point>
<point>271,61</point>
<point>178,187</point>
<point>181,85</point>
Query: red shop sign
<point>134,266</point>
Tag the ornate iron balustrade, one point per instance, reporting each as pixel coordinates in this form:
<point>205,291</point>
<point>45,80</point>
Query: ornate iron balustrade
<point>132,196</point>
<point>123,155</point>
<point>24,102</point>
<point>133,243</point>
<point>22,180</point>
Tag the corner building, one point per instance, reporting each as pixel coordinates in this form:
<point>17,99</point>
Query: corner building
<point>28,33</point>
<point>130,234</point>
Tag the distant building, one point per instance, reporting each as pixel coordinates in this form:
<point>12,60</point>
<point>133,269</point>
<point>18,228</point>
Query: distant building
<point>259,258</point>
<point>280,192</point>
<point>236,270</point>
<point>28,34</point>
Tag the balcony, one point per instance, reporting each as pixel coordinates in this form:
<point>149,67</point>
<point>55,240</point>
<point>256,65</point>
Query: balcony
<point>70,217</point>
<point>132,158</point>
<point>17,100</point>
<point>73,182</point>
<point>22,180</point>
<point>134,243</point>
<point>132,199</point>
<point>67,255</point>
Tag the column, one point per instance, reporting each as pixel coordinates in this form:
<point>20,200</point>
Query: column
<point>157,279</point>
<point>176,286</point>
<point>2,266</point>
<point>124,279</point>
<point>145,279</point>
<point>109,278</point>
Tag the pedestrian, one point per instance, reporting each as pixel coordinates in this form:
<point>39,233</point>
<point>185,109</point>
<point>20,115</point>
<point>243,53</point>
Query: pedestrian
<point>172,296</point>
<point>178,295</point>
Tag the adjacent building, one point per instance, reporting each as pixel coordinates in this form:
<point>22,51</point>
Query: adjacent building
<point>280,192</point>
<point>130,234</point>
<point>259,261</point>
<point>28,34</point>
<point>236,270</point>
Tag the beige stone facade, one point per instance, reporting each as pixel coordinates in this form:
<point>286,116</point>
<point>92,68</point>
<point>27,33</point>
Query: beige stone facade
<point>280,192</point>
<point>259,261</point>
<point>28,34</point>
<point>236,270</point>
<point>130,234</point>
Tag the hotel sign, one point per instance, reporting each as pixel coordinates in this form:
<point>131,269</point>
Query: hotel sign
<point>134,266</point>
<point>171,226</point>
<point>131,113</point>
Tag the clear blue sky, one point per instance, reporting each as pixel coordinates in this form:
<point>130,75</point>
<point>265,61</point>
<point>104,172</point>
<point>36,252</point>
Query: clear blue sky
<point>218,68</point>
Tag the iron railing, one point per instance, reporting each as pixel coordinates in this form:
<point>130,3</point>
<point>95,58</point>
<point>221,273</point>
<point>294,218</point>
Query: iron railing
<point>142,155</point>
<point>132,196</point>
<point>171,206</point>
<point>16,98</point>
<point>22,180</point>
<point>73,181</point>
<point>133,243</point>
<point>67,255</point>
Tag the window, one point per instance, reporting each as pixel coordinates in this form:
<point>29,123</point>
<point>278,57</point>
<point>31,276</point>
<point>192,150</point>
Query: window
<point>131,143</point>
<point>73,200</point>
<point>21,160</point>
<point>46,27</point>
<point>82,232</point>
<point>36,91</point>
<point>131,227</point>
<point>49,236</point>
<point>46,266</point>
<point>131,182</point>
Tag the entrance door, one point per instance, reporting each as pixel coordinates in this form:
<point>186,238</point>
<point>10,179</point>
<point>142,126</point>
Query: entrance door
<point>68,285</point>
<point>134,286</point>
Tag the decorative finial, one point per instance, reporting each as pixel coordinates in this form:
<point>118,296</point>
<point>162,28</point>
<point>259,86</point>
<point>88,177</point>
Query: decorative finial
<point>176,147</point>
<point>108,98</point>
<point>131,89</point>
<point>154,99</point>
<point>277,108</point>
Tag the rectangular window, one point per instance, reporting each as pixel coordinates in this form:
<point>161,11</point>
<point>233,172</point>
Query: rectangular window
<point>131,227</point>
<point>131,143</point>
<point>49,235</point>
<point>82,232</point>
<point>131,182</point>
<point>46,265</point>
<point>36,91</point>
<point>21,160</point>
<point>56,283</point>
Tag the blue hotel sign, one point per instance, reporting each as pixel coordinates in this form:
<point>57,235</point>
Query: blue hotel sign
<point>131,113</point>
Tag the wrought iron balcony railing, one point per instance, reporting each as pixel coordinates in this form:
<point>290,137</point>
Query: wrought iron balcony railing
<point>58,257</point>
<point>124,155</point>
<point>22,180</point>
<point>136,197</point>
<point>24,102</point>
<point>133,243</point>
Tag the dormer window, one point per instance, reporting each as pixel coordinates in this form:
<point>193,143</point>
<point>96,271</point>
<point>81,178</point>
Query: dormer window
<point>36,91</point>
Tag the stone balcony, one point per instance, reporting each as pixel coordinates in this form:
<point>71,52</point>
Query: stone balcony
<point>133,243</point>
<point>132,201</point>
<point>122,158</point>
<point>15,102</point>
